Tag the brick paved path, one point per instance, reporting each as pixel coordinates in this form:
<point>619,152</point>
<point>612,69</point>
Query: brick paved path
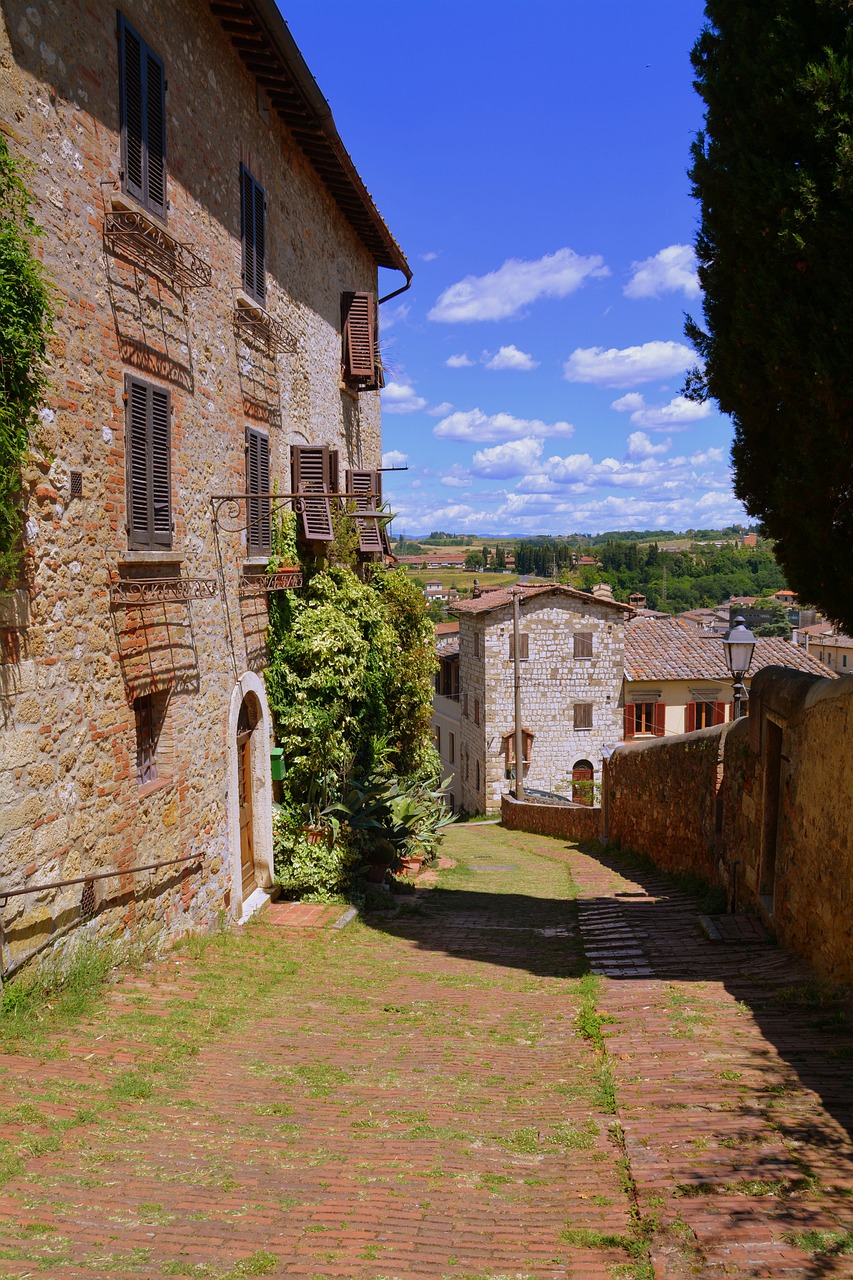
<point>411,1096</point>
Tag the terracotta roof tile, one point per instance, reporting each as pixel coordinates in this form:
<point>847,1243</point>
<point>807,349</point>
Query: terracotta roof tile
<point>671,649</point>
<point>503,595</point>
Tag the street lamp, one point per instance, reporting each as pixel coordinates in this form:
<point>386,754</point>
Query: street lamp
<point>739,645</point>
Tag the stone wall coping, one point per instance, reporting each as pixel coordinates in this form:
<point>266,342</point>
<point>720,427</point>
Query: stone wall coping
<point>673,739</point>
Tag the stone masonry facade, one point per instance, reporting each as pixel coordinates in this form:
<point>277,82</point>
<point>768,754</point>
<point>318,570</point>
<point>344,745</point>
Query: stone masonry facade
<point>74,664</point>
<point>554,683</point>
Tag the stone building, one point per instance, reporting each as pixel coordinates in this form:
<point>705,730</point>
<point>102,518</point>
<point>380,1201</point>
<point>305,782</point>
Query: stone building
<point>215,258</point>
<point>571,652</point>
<point>446,714</point>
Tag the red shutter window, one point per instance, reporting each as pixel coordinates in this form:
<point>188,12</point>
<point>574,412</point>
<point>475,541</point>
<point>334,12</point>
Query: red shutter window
<point>690,717</point>
<point>142,116</point>
<point>582,641</point>
<point>259,530</point>
<point>719,713</point>
<point>660,719</point>
<point>148,451</point>
<point>359,326</point>
<point>364,485</point>
<point>629,720</point>
<point>312,468</point>
<point>253,235</point>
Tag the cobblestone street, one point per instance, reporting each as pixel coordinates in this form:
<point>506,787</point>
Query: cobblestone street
<point>442,1090</point>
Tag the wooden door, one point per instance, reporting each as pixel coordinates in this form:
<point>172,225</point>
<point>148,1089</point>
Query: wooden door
<point>244,792</point>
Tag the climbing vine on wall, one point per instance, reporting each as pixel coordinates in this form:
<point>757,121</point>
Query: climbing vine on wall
<point>25,324</point>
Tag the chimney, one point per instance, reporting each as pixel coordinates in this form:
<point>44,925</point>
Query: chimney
<point>475,590</point>
<point>603,591</point>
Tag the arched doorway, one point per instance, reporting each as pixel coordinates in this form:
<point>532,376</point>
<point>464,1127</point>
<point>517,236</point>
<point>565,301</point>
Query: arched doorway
<point>583,775</point>
<point>249,796</point>
<point>247,722</point>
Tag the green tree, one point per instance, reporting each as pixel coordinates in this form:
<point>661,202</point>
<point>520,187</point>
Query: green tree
<point>773,171</point>
<point>474,560</point>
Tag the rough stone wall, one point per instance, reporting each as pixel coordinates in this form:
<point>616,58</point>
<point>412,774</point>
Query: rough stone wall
<point>68,787</point>
<point>552,682</point>
<point>662,800</point>
<point>447,719</point>
<point>566,822</point>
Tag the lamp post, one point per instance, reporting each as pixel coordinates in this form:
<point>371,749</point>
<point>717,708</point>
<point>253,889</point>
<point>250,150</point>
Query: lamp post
<point>739,645</point>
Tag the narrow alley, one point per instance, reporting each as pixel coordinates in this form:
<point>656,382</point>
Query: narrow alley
<point>534,1067</point>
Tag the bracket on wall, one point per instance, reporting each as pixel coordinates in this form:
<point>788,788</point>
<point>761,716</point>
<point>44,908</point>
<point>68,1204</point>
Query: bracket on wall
<point>256,327</point>
<point>141,592</point>
<point>132,235</point>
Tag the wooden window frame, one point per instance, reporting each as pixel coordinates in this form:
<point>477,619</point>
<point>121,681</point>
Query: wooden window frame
<point>314,470</point>
<point>465,705</point>
<point>582,645</point>
<point>582,711</point>
<point>148,465</point>
<point>253,237</point>
<point>143,175</point>
<point>527,740</point>
<point>476,644</point>
<point>153,740</point>
<point>639,723</point>
<point>476,711</point>
<point>258,510</point>
<point>523,647</point>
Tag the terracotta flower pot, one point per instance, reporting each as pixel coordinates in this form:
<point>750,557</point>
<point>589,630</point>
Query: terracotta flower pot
<point>314,835</point>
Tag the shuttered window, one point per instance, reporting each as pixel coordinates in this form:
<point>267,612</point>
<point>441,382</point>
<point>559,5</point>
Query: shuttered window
<point>359,328</point>
<point>583,715</point>
<point>583,644</point>
<point>367,485</point>
<point>476,711</point>
<point>148,448</point>
<point>142,98</point>
<point>259,526</point>
<point>314,470</point>
<point>253,236</point>
<point>523,647</point>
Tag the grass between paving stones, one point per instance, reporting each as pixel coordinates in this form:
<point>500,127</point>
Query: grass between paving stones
<point>822,1244</point>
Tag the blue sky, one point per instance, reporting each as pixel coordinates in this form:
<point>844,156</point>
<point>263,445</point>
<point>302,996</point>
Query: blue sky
<point>531,161</point>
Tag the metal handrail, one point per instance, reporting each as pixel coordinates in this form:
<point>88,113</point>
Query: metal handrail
<point>5,894</point>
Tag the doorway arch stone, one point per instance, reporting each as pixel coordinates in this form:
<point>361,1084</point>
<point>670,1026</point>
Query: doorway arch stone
<point>249,695</point>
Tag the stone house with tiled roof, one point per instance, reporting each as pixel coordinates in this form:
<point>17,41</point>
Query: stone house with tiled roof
<point>676,678</point>
<point>214,256</point>
<point>571,647</point>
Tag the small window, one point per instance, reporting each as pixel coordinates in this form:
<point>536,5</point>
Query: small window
<point>582,644</point>
<point>476,711</point>
<point>645,717</point>
<point>259,524</point>
<point>478,776</point>
<point>314,470</point>
<point>701,715</point>
<point>583,715</point>
<point>148,455</point>
<point>509,747</point>
<point>451,748</point>
<point>142,116</point>
<point>523,647</point>
<point>476,644</point>
<point>253,236</point>
<point>153,757</point>
<point>465,704</point>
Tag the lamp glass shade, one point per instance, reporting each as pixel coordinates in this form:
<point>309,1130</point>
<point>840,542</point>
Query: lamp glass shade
<point>739,644</point>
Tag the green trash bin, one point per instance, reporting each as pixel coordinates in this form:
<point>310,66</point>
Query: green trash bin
<point>277,764</point>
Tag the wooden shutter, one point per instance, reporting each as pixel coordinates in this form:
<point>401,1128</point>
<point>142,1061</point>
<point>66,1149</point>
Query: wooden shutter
<point>148,449</point>
<point>311,467</point>
<point>363,484</point>
<point>523,647</point>
<point>630,720</point>
<point>719,713</point>
<point>583,644</point>
<point>253,235</point>
<point>583,715</point>
<point>660,719</point>
<point>359,333</point>
<point>142,101</point>
<point>690,717</point>
<point>259,531</point>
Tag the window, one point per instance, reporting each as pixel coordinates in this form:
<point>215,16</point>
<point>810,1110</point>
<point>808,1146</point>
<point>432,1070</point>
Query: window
<point>645,717</point>
<point>142,116</point>
<point>148,450</point>
<point>451,748</point>
<point>152,754</point>
<point>582,641</point>
<point>523,647</point>
<point>314,469</point>
<point>476,644</point>
<point>583,715</point>
<point>703,714</point>
<point>253,236</point>
<point>465,704</point>
<point>478,776</point>
<point>367,485</point>
<point>509,747</point>
<point>476,711</point>
<point>259,531</point>
<point>359,329</point>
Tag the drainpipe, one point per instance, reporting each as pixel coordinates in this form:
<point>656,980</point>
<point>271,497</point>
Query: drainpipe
<point>519,736</point>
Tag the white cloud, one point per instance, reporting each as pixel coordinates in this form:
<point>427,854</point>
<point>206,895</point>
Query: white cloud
<point>669,271</point>
<point>515,284</point>
<point>640,446</point>
<point>393,315</point>
<point>483,428</point>
<point>428,257</point>
<point>401,397</point>
<point>510,358</point>
<point>515,458</point>
<point>457,477</point>
<point>629,403</point>
<point>617,367</point>
<point>459,362</point>
<point>439,410</point>
<point>679,413</point>
<point>394,458</point>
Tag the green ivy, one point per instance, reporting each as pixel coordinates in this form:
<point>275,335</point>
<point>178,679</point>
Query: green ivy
<point>25,324</point>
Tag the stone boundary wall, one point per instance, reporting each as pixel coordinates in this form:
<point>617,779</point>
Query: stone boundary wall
<point>566,822</point>
<point>663,799</point>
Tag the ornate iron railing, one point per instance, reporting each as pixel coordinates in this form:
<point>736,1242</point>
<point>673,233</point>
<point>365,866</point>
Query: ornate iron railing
<point>258,584</point>
<point>257,327</point>
<point>130,234</point>
<point>142,592</point>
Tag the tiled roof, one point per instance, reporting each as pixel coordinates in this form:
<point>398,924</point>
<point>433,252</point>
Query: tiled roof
<point>447,646</point>
<point>671,649</point>
<point>503,596</point>
<point>447,628</point>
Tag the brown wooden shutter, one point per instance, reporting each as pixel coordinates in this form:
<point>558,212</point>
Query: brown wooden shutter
<point>148,449</point>
<point>253,234</point>
<point>136,449</point>
<point>161,469</point>
<point>690,717</point>
<point>583,644</point>
<point>660,719</point>
<point>259,530</point>
<point>630,720</point>
<point>142,111</point>
<point>583,715</point>
<point>155,140</point>
<point>311,467</point>
<point>359,331</point>
<point>363,484</point>
<point>719,713</point>
<point>523,647</point>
